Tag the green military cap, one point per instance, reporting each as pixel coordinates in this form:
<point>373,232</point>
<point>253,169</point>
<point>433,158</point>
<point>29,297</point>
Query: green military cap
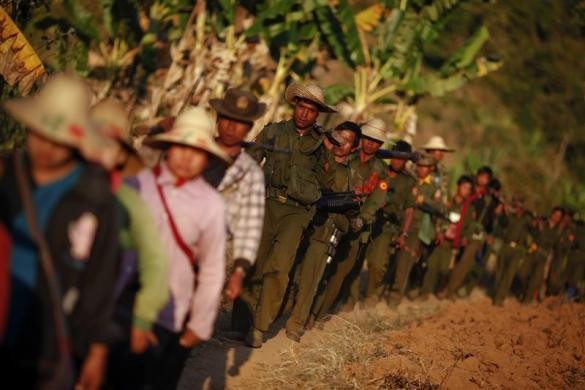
<point>426,160</point>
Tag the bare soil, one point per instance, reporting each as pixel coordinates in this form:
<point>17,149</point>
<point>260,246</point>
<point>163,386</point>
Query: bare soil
<point>464,344</point>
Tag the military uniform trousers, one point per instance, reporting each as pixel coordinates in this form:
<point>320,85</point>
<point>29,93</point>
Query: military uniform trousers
<point>509,261</point>
<point>311,270</point>
<point>558,272</point>
<point>576,271</point>
<point>348,251</point>
<point>537,264</point>
<point>437,267</point>
<point>283,226</point>
<point>378,259</point>
<point>463,267</point>
<point>407,257</point>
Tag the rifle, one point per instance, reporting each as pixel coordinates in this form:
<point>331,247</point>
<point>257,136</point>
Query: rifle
<point>272,148</point>
<point>327,133</point>
<point>338,202</point>
<point>429,209</point>
<point>388,154</point>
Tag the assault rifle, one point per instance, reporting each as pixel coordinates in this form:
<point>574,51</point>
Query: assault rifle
<point>272,148</point>
<point>387,154</point>
<point>338,202</point>
<point>429,209</point>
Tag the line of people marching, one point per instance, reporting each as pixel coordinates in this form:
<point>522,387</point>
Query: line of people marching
<point>113,269</point>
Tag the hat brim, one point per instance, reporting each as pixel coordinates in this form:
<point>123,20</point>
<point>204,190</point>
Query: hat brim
<point>221,109</point>
<point>297,91</point>
<point>442,149</point>
<point>26,111</point>
<point>165,140</point>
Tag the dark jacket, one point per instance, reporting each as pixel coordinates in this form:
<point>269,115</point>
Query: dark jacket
<point>86,281</point>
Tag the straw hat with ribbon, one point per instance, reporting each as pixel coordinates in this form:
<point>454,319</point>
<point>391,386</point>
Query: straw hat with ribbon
<point>194,128</point>
<point>110,119</point>
<point>376,129</point>
<point>311,92</point>
<point>57,112</point>
<point>436,142</point>
<point>239,105</point>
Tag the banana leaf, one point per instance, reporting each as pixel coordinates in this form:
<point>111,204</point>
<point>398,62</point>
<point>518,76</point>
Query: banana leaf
<point>19,63</point>
<point>338,92</point>
<point>466,54</point>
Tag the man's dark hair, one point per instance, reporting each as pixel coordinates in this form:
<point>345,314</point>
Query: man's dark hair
<point>465,179</point>
<point>354,128</point>
<point>495,185</point>
<point>486,171</point>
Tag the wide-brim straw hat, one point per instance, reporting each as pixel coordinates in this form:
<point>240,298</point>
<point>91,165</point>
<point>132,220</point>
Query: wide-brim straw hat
<point>436,142</point>
<point>58,112</point>
<point>376,129</point>
<point>193,128</point>
<point>109,118</point>
<point>239,105</point>
<point>310,92</point>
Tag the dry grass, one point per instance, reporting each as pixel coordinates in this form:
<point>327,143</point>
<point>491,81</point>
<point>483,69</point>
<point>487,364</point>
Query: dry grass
<point>338,358</point>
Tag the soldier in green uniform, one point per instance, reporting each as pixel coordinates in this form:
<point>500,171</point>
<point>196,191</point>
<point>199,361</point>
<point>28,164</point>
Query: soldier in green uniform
<point>558,265</point>
<point>436,147</point>
<point>328,226</point>
<point>292,169</point>
<point>515,224</point>
<point>368,175</point>
<point>450,234</point>
<point>576,264</point>
<point>392,223</point>
<point>422,229</point>
<point>545,235</point>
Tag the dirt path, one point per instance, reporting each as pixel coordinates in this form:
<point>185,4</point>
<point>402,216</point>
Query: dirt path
<point>457,345</point>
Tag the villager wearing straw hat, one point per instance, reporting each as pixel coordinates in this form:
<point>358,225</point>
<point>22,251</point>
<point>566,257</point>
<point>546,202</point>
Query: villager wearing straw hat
<point>368,181</point>
<point>390,231</point>
<point>64,226</point>
<point>143,259</point>
<point>241,184</point>
<point>422,229</point>
<point>291,171</point>
<point>190,217</point>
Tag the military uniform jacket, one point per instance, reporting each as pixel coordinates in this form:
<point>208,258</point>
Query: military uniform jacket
<point>442,180</point>
<point>294,169</point>
<point>369,182</point>
<point>399,198</point>
<point>515,228</point>
<point>546,237</point>
<point>425,191</point>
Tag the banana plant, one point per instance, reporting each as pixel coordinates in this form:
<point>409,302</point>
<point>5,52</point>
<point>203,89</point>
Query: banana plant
<point>392,77</point>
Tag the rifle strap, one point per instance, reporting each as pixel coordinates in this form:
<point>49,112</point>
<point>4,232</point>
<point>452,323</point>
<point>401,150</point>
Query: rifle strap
<point>63,373</point>
<point>174,229</point>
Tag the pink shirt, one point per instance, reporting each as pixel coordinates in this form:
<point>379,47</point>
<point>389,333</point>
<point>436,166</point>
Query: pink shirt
<point>198,212</point>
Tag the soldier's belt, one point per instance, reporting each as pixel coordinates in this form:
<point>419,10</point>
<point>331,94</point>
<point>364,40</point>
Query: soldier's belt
<point>280,196</point>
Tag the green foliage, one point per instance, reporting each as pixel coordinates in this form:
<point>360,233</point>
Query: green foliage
<point>12,133</point>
